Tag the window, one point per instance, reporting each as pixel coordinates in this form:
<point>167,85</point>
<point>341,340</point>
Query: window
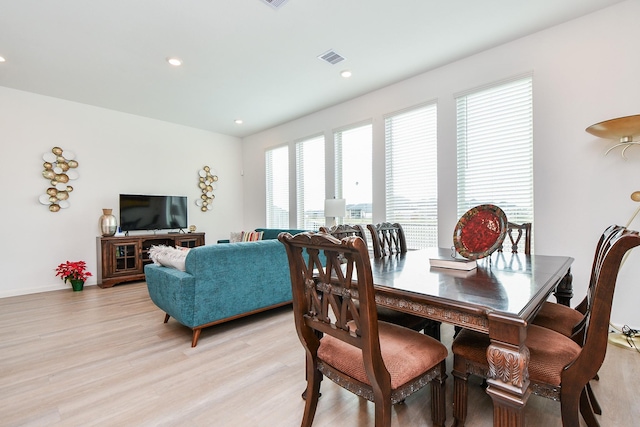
<point>277,179</point>
<point>310,183</point>
<point>411,174</point>
<point>354,178</point>
<point>495,148</point>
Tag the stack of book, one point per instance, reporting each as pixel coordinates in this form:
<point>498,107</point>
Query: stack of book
<point>454,263</point>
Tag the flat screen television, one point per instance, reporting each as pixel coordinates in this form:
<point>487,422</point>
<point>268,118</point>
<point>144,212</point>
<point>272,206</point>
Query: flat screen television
<point>145,212</point>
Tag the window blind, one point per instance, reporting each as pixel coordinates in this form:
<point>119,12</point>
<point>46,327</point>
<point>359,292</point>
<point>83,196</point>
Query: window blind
<point>310,183</point>
<point>353,172</point>
<point>411,186</point>
<point>277,191</point>
<point>495,149</point>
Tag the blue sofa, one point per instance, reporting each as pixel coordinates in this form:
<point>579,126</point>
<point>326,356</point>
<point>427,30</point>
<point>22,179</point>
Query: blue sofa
<point>222,282</point>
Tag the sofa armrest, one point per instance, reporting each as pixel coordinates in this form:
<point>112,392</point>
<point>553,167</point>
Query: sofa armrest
<point>173,291</point>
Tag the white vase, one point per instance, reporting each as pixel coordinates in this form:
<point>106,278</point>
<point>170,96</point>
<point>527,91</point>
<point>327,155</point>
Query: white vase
<point>107,223</point>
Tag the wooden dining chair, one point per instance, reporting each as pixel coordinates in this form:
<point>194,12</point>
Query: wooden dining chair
<point>344,341</point>
<point>559,368</point>
<point>345,230</point>
<point>388,240</point>
<point>516,233</point>
<point>570,322</point>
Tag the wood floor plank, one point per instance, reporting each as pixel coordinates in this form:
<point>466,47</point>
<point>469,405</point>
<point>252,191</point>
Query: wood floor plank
<point>104,357</point>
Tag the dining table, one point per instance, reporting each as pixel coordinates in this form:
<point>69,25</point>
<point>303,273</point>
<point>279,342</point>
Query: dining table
<point>499,297</point>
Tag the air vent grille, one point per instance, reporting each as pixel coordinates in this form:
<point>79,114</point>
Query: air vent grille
<point>331,56</point>
<point>274,3</point>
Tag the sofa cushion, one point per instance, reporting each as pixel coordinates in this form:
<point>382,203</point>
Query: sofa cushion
<point>168,256</point>
<point>272,233</point>
<point>235,237</point>
<point>251,236</point>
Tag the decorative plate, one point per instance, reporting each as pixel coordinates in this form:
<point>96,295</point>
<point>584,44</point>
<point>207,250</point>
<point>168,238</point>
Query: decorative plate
<point>480,231</point>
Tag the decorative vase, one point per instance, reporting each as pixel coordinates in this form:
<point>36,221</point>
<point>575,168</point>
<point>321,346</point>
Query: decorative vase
<point>107,223</point>
<point>77,284</point>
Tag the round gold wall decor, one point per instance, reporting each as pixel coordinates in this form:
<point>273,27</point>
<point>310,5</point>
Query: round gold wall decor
<point>58,168</point>
<point>206,182</point>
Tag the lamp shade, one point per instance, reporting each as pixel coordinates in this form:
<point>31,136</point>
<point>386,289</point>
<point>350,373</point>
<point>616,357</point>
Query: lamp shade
<point>335,208</point>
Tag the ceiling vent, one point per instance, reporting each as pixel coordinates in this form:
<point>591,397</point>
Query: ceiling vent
<point>274,3</point>
<point>331,57</point>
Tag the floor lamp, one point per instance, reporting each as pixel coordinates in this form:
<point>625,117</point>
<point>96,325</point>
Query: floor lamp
<point>624,129</point>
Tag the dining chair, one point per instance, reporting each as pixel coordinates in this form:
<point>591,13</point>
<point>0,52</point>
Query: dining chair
<point>344,341</point>
<point>517,232</point>
<point>569,321</point>
<point>345,230</point>
<point>389,239</point>
<point>559,368</point>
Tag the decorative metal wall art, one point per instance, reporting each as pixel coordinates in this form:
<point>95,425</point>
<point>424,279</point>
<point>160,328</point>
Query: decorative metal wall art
<point>207,179</point>
<point>59,168</point>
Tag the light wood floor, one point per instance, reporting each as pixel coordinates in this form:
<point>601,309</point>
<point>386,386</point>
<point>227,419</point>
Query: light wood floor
<point>103,357</point>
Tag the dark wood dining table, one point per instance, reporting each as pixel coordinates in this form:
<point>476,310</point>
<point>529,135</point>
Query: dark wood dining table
<point>500,297</point>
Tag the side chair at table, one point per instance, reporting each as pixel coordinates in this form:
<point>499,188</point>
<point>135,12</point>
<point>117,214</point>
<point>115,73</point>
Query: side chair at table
<point>517,232</point>
<point>345,230</point>
<point>389,240</point>
<point>344,341</point>
<point>559,368</point>
<point>570,322</point>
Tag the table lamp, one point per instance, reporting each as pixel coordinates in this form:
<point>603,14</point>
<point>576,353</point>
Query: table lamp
<point>335,208</point>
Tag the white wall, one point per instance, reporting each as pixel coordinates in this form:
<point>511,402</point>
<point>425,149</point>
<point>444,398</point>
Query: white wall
<point>585,71</point>
<point>117,153</point>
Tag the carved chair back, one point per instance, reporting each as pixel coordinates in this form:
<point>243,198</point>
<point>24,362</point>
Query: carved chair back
<point>387,239</point>
<point>345,230</point>
<point>516,233</point>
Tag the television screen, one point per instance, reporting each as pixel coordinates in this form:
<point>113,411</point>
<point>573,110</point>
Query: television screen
<point>143,212</point>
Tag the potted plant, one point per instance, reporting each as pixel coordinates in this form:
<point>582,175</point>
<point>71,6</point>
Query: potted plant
<point>75,272</point>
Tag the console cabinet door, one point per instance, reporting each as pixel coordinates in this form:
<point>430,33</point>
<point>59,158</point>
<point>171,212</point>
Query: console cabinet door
<point>121,257</point>
<point>190,240</point>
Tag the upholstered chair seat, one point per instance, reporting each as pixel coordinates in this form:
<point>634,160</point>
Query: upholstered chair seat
<point>406,355</point>
<point>549,352</point>
<point>559,318</point>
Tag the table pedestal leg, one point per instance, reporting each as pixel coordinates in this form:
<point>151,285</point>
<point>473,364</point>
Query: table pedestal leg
<point>564,290</point>
<point>508,382</point>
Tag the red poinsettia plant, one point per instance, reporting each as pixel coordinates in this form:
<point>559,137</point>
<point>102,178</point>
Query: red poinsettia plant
<point>73,271</point>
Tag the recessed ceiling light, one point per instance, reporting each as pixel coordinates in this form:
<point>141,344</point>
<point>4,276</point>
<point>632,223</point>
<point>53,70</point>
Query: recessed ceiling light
<point>238,121</point>
<point>2,59</point>
<point>345,73</point>
<point>174,61</point>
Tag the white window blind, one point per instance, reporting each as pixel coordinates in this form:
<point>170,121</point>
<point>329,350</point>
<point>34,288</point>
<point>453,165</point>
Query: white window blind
<point>310,182</point>
<point>353,173</point>
<point>411,174</point>
<point>277,180</point>
<point>495,149</point>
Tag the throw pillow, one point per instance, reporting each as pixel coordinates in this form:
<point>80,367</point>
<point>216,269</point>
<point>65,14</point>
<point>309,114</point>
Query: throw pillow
<point>168,256</point>
<point>236,236</point>
<point>252,236</point>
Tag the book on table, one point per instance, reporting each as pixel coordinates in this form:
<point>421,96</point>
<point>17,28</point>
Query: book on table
<point>454,263</point>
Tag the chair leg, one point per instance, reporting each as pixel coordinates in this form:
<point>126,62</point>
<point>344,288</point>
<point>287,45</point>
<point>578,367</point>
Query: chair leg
<point>166,318</point>
<point>593,401</point>
<point>438,397</point>
<point>570,406</point>
<point>460,395</point>
<point>586,409</point>
<point>311,394</point>
<point>383,412</point>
